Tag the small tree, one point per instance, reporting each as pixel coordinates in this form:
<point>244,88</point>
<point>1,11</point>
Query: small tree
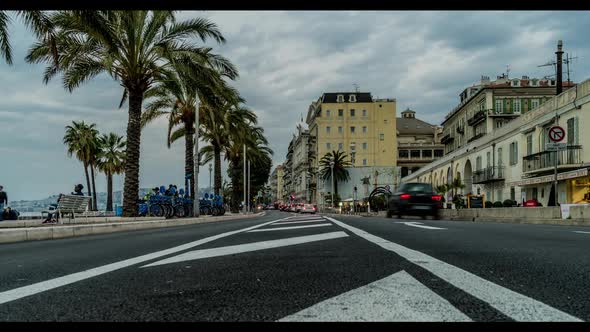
<point>498,204</point>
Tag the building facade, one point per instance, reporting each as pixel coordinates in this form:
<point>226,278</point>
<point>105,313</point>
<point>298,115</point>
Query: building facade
<point>301,164</point>
<point>513,161</point>
<point>418,143</point>
<point>276,184</point>
<point>361,126</point>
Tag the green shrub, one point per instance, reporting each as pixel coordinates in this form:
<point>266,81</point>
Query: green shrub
<point>509,203</point>
<point>498,204</point>
<point>488,204</point>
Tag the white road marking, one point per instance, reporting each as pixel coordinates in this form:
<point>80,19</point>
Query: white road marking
<point>396,298</point>
<point>582,232</point>
<point>298,222</point>
<point>288,228</point>
<point>517,306</point>
<point>241,248</point>
<point>417,224</point>
<point>18,293</point>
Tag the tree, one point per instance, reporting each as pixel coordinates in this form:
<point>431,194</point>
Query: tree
<point>137,49</point>
<point>111,160</point>
<point>35,20</point>
<point>340,172</point>
<point>80,139</point>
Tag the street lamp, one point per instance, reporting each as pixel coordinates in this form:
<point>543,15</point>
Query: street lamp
<point>210,170</point>
<point>196,202</point>
<point>332,177</point>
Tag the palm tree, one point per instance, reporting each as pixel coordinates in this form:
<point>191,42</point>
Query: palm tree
<point>35,20</point>
<point>137,49</point>
<point>111,160</point>
<point>80,139</point>
<point>340,171</point>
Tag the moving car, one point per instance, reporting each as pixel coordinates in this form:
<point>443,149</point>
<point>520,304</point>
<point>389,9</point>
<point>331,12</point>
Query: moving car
<point>308,208</point>
<point>298,207</point>
<point>417,199</point>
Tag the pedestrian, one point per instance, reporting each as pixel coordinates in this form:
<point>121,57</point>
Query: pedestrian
<point>3,201</point>
<point>77,192</point>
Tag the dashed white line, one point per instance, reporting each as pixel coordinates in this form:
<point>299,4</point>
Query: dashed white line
<point>298,222</point>
<point>287,228</point>
<point>581,232</point>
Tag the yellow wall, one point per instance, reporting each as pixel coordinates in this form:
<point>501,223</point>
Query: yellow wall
<point>379,120</point>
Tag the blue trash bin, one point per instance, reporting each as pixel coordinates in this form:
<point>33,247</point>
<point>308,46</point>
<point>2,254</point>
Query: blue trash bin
<point>118,211</point>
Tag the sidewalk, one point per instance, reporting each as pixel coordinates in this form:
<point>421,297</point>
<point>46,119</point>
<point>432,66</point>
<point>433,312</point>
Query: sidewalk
<point>29,230</point>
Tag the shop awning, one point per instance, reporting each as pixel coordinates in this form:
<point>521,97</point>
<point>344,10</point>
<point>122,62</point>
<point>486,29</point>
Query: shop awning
<point>550,178</point>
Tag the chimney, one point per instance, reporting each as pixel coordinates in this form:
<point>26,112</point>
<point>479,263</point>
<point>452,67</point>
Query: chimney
<point>525,77</point>
<point>559,54</point>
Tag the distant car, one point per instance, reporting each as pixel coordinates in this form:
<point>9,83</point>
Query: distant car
<point>308,208</point>
<point>417,199</point>
<point>298,207</point>
<point>532,203</point>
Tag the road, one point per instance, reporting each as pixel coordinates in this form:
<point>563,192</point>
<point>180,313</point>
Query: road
<point>288,267</point>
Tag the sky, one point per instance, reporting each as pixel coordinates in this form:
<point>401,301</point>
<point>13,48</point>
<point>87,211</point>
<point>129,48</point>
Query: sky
<point>286,60</point>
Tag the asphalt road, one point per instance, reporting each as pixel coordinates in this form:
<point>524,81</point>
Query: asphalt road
<point>288,267</point>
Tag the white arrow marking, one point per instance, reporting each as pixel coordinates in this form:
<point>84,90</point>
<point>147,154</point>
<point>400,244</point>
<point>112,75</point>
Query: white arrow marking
<point>581,232</point>
<point>517,306</point>
<point>287,228</point>
<point>231,250</point>
<point>417,224</point>
<point>397,298</point>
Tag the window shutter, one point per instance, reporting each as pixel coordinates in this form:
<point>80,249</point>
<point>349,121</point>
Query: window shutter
<point>576,130</point>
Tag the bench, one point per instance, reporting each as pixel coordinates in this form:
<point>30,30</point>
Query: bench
<point>69,204</point>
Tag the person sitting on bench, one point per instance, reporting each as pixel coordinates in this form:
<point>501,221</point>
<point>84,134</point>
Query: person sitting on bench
<point>77,192</point>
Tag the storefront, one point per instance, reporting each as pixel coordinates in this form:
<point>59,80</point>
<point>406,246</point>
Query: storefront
<point>572,187</point>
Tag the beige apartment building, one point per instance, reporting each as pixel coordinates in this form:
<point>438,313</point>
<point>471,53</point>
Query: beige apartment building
<point>276,184</point>
<point>512,161</point>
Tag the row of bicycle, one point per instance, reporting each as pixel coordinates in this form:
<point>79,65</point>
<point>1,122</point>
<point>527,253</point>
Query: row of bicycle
<point>170,206</point>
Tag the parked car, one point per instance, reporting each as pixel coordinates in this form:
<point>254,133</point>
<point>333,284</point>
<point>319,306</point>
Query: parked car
<point>418,199</point>
<point>308,208</point>
<point>298,207</point>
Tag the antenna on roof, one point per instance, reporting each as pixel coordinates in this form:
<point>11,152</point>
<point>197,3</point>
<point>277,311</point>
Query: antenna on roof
<point>507,71</point>
<point>356,87</point>
<point>553,63</point>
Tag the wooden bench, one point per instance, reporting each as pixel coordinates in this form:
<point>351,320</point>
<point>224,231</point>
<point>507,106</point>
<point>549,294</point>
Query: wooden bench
<point>69,204</point>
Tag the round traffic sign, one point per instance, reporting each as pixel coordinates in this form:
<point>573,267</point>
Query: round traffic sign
<point>556,134</point>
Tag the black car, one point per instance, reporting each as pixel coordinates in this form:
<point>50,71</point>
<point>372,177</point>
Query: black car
<point>416,199</point>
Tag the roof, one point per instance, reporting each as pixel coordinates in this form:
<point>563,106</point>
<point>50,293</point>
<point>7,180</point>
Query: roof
<point>411,126</point>
<point>361,97</point>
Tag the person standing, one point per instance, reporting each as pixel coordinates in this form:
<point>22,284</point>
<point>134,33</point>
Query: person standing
<point>3,201</point>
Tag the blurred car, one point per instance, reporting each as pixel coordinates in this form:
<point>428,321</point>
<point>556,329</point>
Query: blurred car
<point>308,208</point>
<point>416,199</point>
<point>298,207</point>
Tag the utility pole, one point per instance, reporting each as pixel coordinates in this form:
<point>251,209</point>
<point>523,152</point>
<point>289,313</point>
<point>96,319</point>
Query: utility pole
<point>249,186</point>
<point>245,202</point>
<point>558,90</point>
<point>210,169</point>
<point>196,206</point>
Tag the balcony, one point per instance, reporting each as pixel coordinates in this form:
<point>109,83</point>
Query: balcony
<point>478,117</point>
<point>544,161</point>
<point>489,174</point>
<point>461,129</point>
<point>499,113</point>
<point>447,139</point>
<point>476,137</point>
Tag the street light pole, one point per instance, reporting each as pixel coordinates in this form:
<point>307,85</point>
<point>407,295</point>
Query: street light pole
<point>210,170</point>
<point>244,178</point>
<point>332,178</point>
<point>248,186</point>
<point>196,206</point>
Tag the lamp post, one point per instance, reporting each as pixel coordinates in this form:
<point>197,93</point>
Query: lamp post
<point>332,177</point>
<point>197,162</point>
<point>210,170</point>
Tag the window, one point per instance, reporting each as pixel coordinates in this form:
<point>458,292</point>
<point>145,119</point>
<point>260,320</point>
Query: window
<point>364,162</point>
<point>488,159</point>
<point>427,153</point>
<point>482,105</point>
<point>364,112</point>
<point>478,163</point>
<point>340,98</point>
<point>365,146</point>
<point>339,130</point>
<point>513,153</point>
<point>500,162</point>
<point>328,129</point>
<point>512,194</point>
<point>381,137</point>
<point>352,113</point>
<point>364,129</point>
<point>500,195</point>
<point>340,147</point>
<point>328,146</point>
<point>499,106</point>
<point>439,152</point>
<point>516,106</point>
<point>572,131</point>
<point>534,103</point>
<point>403,154</point>
<point>529,144</point>
<point>385,121</point>
<point>352,98</point>
<point>352,129</point>
<point>499,124</point>
<point>340,112</point>
<point>327,113</point>
<point>415,153</point>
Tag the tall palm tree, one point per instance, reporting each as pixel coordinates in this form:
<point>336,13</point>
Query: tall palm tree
<point>35,20</point>
<point>340,172</point>
<point>137,49</point>
<point>80,139</point>
<point>177,99</point>
<point>111,161</point>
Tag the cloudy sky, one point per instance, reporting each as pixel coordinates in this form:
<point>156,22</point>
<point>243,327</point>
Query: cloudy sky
<point>286,60</point>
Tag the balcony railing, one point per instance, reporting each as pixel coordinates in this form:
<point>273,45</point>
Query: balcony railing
<point>545,160</point>
<point>494,112</point>
<point>461,129</point>
<point>446,139</point>
<point>478,117</point>
<point>489,174</point>
<point>476,137</point>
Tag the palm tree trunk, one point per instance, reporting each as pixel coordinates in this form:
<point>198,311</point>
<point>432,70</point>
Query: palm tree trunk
<point>217,169</point>
<point>94,202</point>
<point>189,159</point>
<point>131,186</point>
<point>236,179</point>
<point>109,192</point>
<point>88,184</point>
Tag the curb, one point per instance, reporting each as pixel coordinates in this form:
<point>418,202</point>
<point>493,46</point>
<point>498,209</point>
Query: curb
<point>60,232</point>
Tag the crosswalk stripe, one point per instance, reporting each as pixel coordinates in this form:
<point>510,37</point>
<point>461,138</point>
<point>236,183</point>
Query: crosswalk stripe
<point>298,222</point>
<point>396,298</point>
<point>515,305</point>
<point>237,249</point>
<point>287,228</point>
